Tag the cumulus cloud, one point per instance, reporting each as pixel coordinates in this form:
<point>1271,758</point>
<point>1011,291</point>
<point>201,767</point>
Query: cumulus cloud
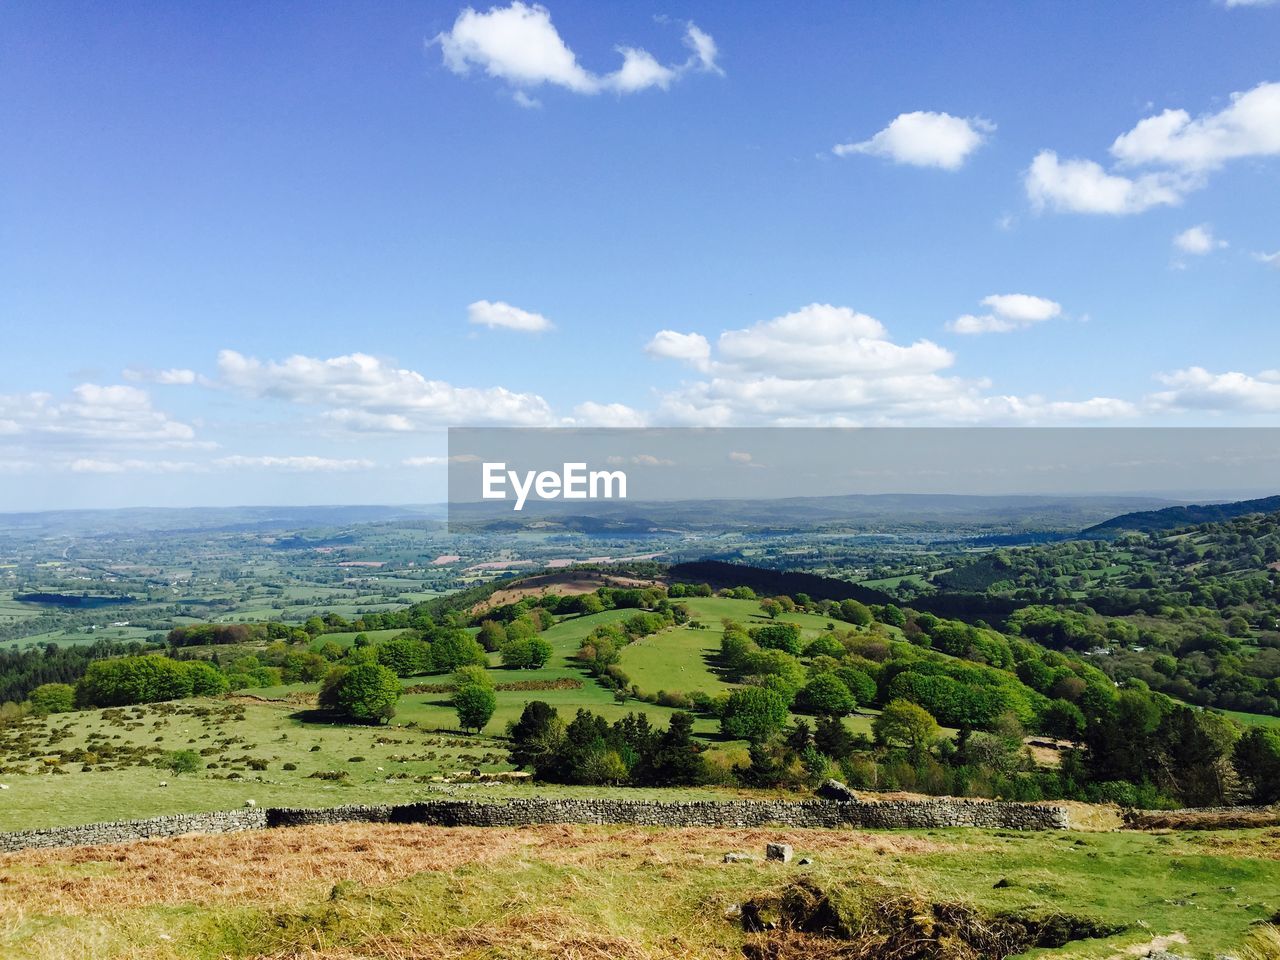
<point>1083,186</point>
<point>692,348</point>
<point>1181,152</point>
<point>114,413</point>
<point>424,462</point>
<point>1248,127</point>
<point>306,464</point>
<point>519,45</point>
<point>833,366</point>
<point>172,376</point>
<point>592,414</point>
<point>1198,241</point>
<point>503,315</point>
<point>360,392</point>
<point>924,139</point>
<point>1197,389</point>
<point>1008,311</point>
<point>1270,259</point>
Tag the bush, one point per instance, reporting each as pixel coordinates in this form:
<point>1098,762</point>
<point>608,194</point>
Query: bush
<point>456,649</point>
<point>183,761</point>
<point>527,653</point>
<point>125,681</point>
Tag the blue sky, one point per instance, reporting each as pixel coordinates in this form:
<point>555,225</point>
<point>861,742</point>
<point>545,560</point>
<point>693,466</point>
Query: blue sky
<point>267,253</point>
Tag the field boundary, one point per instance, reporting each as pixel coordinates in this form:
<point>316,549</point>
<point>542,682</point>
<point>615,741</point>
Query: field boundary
<point>828,814</point>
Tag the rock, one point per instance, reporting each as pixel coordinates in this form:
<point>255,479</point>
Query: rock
<point>1165,955</point>
<point>778,851</point>
<point>835,790</point>
<point>738,858</point>
<point>805,861</point>
<point>1001,884</point>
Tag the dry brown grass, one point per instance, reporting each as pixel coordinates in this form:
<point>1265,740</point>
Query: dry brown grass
<point>302,863</point>
<point>278,866</point>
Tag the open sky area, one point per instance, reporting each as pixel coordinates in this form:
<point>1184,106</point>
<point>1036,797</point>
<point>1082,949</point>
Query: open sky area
<point>268,253</point>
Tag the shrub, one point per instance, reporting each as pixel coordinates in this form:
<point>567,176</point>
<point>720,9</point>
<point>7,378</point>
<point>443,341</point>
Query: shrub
<point>183,761</point>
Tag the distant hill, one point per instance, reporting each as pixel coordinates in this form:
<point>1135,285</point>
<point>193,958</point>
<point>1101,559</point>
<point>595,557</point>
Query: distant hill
<point>767,583</point>
<point>1172,518</point>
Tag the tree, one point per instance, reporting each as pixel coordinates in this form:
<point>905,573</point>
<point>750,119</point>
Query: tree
<point>405,655</point>
<point>1063,719</point>
<point>475,706</point>
<point>856,613</point>
<point>779,636</point>
<point>907,724</point>
<point>677,760</point>
<point>536,735</point>
<point>526,653</point>
<point>753,713</point>
<point>206,679</point>
<point>764,770</point>
<point>492,635</point>
<point>1256,759</point>
<point>454,649</point>
<point>123,681</point>
<point>826,695</point>
<point>832,738</point>
<point>590,603</point>
<point>53,698</point>
<point>183,761</point>
<point>368,691</point>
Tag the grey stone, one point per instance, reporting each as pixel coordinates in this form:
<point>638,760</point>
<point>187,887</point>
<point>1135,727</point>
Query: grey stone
<point>738,858</point>
<point>835,790</point>
<point>805,861</point>
<point>778,851</point>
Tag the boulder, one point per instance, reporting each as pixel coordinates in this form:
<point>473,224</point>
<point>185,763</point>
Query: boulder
<point>778,851</point>
<point>835,790</point>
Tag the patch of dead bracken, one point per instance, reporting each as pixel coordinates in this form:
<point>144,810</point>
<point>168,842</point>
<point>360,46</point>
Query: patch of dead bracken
<point>254,866</point>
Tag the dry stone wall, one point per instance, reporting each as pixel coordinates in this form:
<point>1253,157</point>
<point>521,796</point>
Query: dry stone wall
<point>875,814</point>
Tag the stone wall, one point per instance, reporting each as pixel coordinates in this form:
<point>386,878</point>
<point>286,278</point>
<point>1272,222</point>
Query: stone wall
<point>119,831</point>
<point>876,814</point>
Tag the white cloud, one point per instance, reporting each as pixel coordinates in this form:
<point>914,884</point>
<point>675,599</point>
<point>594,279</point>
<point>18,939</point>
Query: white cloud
<point>293,464</point>
<point>361,392</point>
<point>96,465</point>
<point>498,314</point>
<point>521,46</point>
<point>1198,240</point>
<point>924,139</point>
<point>114,413</point>
<point>1249,127</point>
<point>1182,150</point>
<point>739,456</point>
<point>1197,389</point>
<point>1249,3</point>
<point>173,376</point>
<point>1009,311</point>
<point>425,461</point>
<point>832,366</point>
<point>1270,259</point>
<point>692,348</point>
<point>594,414</point>
<point>1082,186</point>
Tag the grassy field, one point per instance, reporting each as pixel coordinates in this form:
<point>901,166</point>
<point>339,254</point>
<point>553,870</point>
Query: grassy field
<point>394,891</point>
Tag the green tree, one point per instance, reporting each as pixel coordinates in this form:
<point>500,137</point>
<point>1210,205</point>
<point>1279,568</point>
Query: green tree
<point>907,724</point>
<point>454,649</point>
<point>368,691</point>
<point>826,695</point>
<point>677,760</point>
<point>475,706</point>
<point>405,656</point>
<point>1256,758</point>
<point>856,613</point>
<point>753,713</point>
<point>53,698</point>
<point>206,679</point>
<point>492,635</point>
<point>536,735</point>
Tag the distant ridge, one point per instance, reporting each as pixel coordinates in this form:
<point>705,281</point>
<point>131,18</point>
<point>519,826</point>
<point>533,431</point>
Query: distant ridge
<point>1171,518</point>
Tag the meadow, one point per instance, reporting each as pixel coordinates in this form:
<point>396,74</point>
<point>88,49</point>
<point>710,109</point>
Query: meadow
<point>359,890</point>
